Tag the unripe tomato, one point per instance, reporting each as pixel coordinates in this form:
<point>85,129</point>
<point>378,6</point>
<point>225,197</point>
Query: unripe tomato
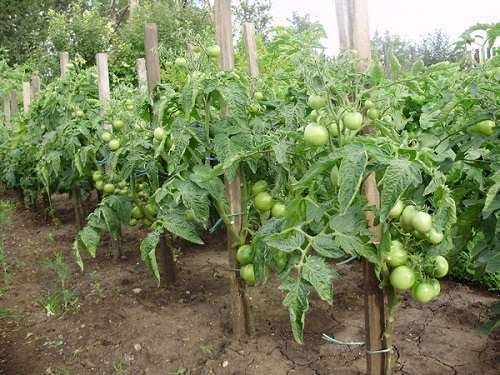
<point>334,128</point>
<point>485,127</point>
<point>334,176</point>
<point>353,120</point>
<point>118,124</point>
<point>132,222</point>
<point>397,256</point>
<point>406,218</point>
<point>259,187</point>
<point>244,255</point>
<point>435,237</point>
<point>316,101</point>
<point>79,113</point>
<point>136,213</point>
<point>97,176</point>
<point>159,134</point>
<point>402,278</point>
<point>106,136</point>
<point>114,144</point>
<point>109,188</point>
<point>315,134</point>
<point>369,104</point>
<point>372,114</point>
<point>436,285</point>
<point>396,210</point>
<point>424,292</point>
<point>99,185</point>
<point>213,51</point>
<point>147,222</point>
<point>247,274</point>
<point>150,210</point>
<point>258,95</point>
<point>278,210</point>
<point>422,222</point>
<point>437,266</point>
<point>280,260</point>
<point>122,184</point>
<point>70,66</point>
<point>263,201</point>
<point>181,62</point>
<point>313,116</point>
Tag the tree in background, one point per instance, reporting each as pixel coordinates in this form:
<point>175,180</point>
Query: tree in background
<point>304,23</point>
<point>405,51</point>
<point>436,47</point>
<point>256,11</point>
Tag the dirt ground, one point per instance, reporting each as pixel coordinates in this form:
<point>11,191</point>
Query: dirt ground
<point>124,324</point>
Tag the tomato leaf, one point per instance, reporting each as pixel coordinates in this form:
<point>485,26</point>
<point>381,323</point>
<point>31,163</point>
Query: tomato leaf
<point>148,252</point>
<point>298,304</point>
<point>320,275</point>
<point>325,245</point>
<point>175,222</point>
<point>352,168</point>
<point>287,242</point>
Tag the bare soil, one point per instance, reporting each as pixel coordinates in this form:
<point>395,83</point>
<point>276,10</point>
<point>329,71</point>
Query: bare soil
<point>124,324</point>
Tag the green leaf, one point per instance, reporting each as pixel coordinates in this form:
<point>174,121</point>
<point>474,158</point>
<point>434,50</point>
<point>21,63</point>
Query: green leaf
<point>287,242</point>
<point>446,213</point>
<point>352,168</point>
<point>491,194</point>
<point>175,222</point>
<point>354,246</point>
<point>320,275</point>
<point>298,304</point>
<point>325,245</point>
<point>398,176</point>
<point>148,252</point>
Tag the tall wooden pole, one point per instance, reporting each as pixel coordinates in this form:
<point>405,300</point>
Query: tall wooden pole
<point>251,49</point>
<point>374,296</point>
<point>239,303</point>
<point>152,56</point>
<point>165,255</point>
<point>132,6</point>
<point>341,10</point>
<point>142,75</point>
<point>13,103</point>
<point>6,109</point>
<point>63,62</point>
<point>26,96</point>
<point>35,86</point>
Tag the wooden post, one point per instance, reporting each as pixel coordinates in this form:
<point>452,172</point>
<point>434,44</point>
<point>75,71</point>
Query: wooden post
<point>26,96</point>
<point>35,86</point>
<point>251,49</point>
<point>6,109</point>
<point>341,11</point>
<point>152,57</point>
<point>63,62</point>
<point>239,304</point>
<point>142,76</point>
<point>374,296</point>
<point>13,103</point>
<point>166,258</point>
<point>132,6</point>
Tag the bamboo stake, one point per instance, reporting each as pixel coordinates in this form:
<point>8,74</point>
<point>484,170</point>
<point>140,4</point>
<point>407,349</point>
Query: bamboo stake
<point>239,304</point>
<point>142,75</point>
<point>63,62</point>
<point>26,96</point>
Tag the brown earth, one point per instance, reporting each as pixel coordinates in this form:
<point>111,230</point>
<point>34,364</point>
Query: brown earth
<point>116,328</point>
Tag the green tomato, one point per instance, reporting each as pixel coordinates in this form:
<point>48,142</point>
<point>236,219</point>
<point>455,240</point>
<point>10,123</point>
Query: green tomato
<point>136,213</point>
<point>437,266</point>
<point>114,144</point>
<point>369,104</point>
<point>150,210</point>
<point>263,201</point>
<point>96,176</point>
<point>313,116</point>
<point>280,260</point>
<point>118,124</point>
<point>244,255</point>
<point>397,256</point>
<point>70,66</point>
<point>106,136</point>
<point>122,184</point>
<point>435,237</point>
<point>315,134</point>
<point>79,113</point>
<point>316,101</point>
<point>247,274</point>
<point>159,134</point>
<point>132,222</point>
<point>109,188</point>
<point>259,187</point>
<point>334,128</point>
<point>147,222</point>
<point>213,51</point>
<point>406,218</point>
<point>258,95</point>
<point>372,114</point>
<point>485,127</point>
<point>353,120</point>
<point>436,285</point>
<point>396,210</point>
<point>424,292</point>
<point>422,222</point>
<point>181,62</point>
<point>99,185</point>
<point>278,210</point>
<point>402,277</point>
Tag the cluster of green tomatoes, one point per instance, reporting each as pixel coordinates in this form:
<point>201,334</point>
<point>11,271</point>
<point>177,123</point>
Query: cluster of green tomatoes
<point>410,271</point>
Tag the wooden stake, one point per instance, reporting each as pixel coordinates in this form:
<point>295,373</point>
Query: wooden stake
<point>167,261</point>
<point>63,62</point>
<point>152,56</point>
<point>342,24</point>
<point>13,103</point>
<point>142,75</point>
<point>239,304</point>
<point>251,49</point>
<point>35,86</point>
<point>6,109</point>
<point>132,6</point>
<point>26,96</point>
<point>374,296</point>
